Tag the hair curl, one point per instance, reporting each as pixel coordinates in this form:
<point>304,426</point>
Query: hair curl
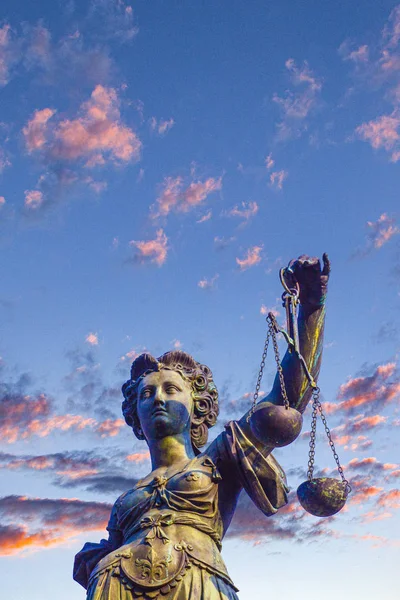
<point>204,392</point>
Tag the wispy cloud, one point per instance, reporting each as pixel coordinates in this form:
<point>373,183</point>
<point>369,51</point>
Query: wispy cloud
<point>37,523</point>
<point>277,178</point>
<point>245,211</point>
<point>208,284</point>
<point>92,339</point>
<point>252,258</point>
<point>370,392</point>
<point>33,199</point>
<point>206,217</point>
<point>177,196</point>
<point>378,234</point>
<point>161,126</point>
<point>297,104</point>
<point>154,251</point>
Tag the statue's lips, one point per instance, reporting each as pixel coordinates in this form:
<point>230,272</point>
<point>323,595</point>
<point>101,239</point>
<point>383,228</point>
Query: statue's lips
<point>158,412</point>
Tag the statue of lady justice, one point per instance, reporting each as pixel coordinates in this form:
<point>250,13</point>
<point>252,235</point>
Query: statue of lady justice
<point>165,533</point>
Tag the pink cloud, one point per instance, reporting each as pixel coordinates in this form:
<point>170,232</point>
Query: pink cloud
<point>247,210</point>
<point>391,32</point>
<point>360,55</point>
<point>370,392</point>
<point>269,162</point>
<point>35,131</point>
<point>92,339</point>
<point>264,310</point>
<point>382,132</point>
<point>97,135</point>
<point>208,284</point>
<point>277,178</point>
<point>161,126</point>
<point>152,250</point>
<point>205,217</point>
<point>382,230</point>
<point>252,258</point>
<point>109,427</point>
<point>138,457</point>
<point>33,199</point>
<point>175,196</point>
<point>2,201</point>
<point>297,105</point>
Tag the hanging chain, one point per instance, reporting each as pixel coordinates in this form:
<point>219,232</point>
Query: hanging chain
<point>317,406</point>
<point>260,374</point>
<point>270,333</point>
<point>278,360</point>
<point>311,454</point>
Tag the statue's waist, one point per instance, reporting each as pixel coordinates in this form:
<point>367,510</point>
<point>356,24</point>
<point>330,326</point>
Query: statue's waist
<point>161,549</point>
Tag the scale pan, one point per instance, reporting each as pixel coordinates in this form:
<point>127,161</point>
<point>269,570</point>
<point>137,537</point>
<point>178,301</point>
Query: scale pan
<point>323,496</point>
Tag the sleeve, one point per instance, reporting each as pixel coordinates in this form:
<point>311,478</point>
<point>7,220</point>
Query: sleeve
<point>261,476</point>
<point>91,553</point>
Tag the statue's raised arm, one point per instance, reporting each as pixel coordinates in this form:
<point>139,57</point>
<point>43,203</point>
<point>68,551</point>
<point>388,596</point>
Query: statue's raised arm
<point>305,274</point>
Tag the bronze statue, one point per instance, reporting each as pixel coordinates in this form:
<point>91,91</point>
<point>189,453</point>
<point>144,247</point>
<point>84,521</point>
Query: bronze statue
<point>165,534</point>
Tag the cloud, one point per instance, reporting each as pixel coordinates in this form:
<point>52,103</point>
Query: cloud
<point>9,53</point>
<point>208,284</point>
<point>95,139</point>
<point>71,465</point>
<point>161,126</point>
<point>36,130</point>
<point>357,56</point>
<point>112,20</point>
<point>277,178</point>
<point>97,134</point>
<point>382,230</point>
<point>246,212</point>
<point>378,234</point>
<point>38,523</point>
<point>92,339</point>
<point>264,310</point>
<point>390,499</point>
<point>269,162</point>
<point>180,197</point>
<point>382,132</point>
<point>154,251</point>
<point>24,414</point>
<point>2,201</point>
<point>296,105</point>
<point>252,258</point>
<point>369,392</point>
<point>33,199</point>
<point>206,217</point>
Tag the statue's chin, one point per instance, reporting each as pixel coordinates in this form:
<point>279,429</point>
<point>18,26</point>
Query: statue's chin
<point>276,425</point>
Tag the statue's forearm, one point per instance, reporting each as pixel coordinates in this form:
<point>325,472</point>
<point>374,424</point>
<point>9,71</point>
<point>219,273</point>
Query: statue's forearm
<point>311,334</point>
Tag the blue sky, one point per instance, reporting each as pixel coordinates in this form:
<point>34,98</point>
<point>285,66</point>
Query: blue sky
<point>159,162</point>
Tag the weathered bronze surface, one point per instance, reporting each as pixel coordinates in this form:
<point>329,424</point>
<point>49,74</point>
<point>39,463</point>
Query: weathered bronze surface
<point>165,534</point>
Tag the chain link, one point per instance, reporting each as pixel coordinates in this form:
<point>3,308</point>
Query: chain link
<point>317,406</point>
<point>260,374</point>
<point>270,333</point>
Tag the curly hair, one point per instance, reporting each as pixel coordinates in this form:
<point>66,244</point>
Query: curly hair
<point>204,392</point>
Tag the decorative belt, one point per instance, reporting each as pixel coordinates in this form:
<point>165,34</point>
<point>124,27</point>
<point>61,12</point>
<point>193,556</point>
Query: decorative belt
<point>157,522</point>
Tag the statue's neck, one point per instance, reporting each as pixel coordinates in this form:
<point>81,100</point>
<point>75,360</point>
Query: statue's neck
<point>170,450</point>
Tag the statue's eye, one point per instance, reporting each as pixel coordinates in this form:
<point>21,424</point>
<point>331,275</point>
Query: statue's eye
<point>146,393</point>
<point>171,389</point>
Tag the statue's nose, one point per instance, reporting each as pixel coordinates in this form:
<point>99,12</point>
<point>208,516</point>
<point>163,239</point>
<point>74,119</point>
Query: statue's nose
<point>158,397</point>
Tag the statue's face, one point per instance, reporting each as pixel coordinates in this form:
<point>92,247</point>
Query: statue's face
<point>164,405</point>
